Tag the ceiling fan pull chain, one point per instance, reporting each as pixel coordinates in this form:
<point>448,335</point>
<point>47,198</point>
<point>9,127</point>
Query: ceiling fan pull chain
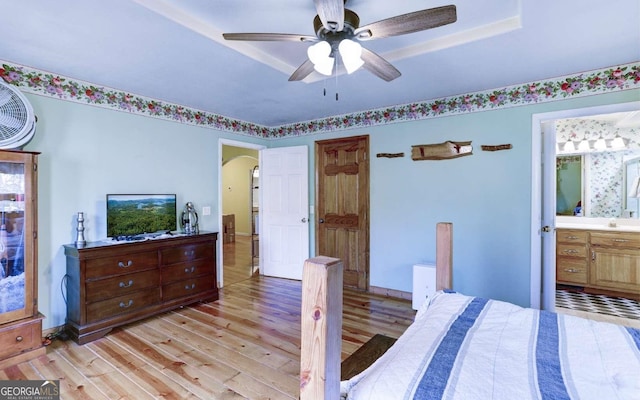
<point>336,80</point>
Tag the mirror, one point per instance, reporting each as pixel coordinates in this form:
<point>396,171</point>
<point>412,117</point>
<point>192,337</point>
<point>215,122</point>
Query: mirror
<point>569,189</point>
<point>597,166</point>
<point>632,186</point>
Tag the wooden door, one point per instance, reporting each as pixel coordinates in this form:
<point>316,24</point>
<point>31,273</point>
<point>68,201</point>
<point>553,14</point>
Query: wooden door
<point>342,205</point>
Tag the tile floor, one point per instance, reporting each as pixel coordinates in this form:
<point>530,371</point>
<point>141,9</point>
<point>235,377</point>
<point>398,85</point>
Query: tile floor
<point>598,307</point>
<point>616,306</point>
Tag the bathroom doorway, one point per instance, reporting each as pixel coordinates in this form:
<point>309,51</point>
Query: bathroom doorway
<point>545,147</point>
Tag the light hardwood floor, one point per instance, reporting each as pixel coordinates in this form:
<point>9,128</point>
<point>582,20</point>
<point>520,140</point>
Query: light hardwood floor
<point>245,345</point>
<point>238,263</point>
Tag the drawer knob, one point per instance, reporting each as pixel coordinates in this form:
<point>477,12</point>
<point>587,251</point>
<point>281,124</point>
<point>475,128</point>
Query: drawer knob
<point>190,287</point>
<point>620,240</point>
<point>189,270</point>
<point>570,237</point>
<point>189,253</point>
<point>19,339</point>
<point>125,285</point>
<point>571,270</point>
<point>123,265</point>
<point>127,305</point>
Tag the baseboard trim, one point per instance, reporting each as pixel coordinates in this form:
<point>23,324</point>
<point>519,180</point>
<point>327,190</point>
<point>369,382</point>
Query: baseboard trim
<point>398,294</point>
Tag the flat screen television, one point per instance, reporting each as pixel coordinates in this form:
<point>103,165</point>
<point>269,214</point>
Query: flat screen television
<point>135,214</point>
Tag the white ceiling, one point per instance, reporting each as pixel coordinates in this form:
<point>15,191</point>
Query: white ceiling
<point>172,50</point>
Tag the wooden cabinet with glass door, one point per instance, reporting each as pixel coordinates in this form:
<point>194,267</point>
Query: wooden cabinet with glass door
<point>20,321</point>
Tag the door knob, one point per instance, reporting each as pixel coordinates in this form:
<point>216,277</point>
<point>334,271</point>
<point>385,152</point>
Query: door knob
<point>321,220</point>
<point>303,220</point>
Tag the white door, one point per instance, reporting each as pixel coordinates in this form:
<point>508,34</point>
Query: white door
<point>548,216</point>
<point>284,227</point>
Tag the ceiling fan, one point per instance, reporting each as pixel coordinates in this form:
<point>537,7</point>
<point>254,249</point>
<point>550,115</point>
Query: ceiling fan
<point>338,31</point>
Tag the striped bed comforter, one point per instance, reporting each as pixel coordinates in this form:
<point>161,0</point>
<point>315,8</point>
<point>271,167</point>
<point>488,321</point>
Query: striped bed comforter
<point>462,347</point>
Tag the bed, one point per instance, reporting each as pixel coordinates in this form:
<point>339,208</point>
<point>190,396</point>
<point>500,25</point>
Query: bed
<point>475,348</point>
<point>464,347</point>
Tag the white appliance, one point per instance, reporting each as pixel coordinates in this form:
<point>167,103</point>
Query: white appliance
<point>424,283</point>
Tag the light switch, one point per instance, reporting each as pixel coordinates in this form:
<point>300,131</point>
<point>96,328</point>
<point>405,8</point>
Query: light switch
<point>206,210</point>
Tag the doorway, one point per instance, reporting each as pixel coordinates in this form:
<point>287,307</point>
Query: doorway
<point>543,220</point>
<point>342,202</point>
<point>237,161</point>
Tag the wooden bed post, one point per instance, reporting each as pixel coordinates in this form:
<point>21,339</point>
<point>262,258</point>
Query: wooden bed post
<point>321,321</point>
<point>444,255</point>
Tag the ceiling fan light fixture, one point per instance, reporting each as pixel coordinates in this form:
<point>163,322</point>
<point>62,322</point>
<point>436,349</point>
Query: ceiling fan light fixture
<point>320,55</point>
<point>351,53</point>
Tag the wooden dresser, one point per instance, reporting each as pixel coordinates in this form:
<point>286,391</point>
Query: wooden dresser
<point>113,284</point>
<point>600,260</point>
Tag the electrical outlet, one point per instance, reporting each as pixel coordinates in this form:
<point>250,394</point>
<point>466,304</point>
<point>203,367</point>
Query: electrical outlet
<point>206,210</point>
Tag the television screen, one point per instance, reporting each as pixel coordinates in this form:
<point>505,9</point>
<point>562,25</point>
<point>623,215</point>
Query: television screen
<point>134,214</point>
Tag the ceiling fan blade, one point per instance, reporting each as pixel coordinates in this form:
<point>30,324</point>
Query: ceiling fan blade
<point>270,37</point>
<point>408,23</point>
<point>379,66</point>
<point>331,13</point>
<point>302,72</point>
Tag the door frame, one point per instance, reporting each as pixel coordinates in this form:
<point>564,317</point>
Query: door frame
<point>235,143</point>
<point>544,274</point>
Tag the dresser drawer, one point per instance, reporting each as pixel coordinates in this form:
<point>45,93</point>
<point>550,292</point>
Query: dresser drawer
<point>188,287</point>
<point>187,253</point>
<point>572,236</point>
<point>571,250</point>
<point>19,337</point>
<point>125,264</point>
<point>616,239</point>
<point>572,271</point>
<point>123,304</point>
<point>181,271</point>
<point>99,290</point>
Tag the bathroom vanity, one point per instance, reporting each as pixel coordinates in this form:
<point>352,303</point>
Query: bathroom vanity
<point>599,258</point>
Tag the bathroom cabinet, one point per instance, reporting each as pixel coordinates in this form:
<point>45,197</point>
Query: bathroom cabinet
<point>599,260</point>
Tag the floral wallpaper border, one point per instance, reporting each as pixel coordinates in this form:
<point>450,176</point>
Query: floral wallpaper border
<point>29,80</point>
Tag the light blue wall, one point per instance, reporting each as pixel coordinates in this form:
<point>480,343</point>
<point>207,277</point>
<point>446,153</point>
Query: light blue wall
<point>88,152</point>
<point>487,196</point>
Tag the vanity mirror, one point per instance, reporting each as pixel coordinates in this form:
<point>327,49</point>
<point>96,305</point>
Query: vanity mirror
<point>569,188</point>
<point>598,166</point>
<point>631,186</point>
